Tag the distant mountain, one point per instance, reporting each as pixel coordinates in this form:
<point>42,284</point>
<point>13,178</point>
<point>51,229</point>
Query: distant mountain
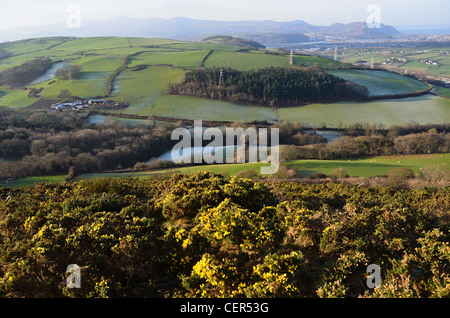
<point>358,30</point>
<point>181,28</point>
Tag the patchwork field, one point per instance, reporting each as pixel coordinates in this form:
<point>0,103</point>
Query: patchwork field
<point>187,59</point>
<point>167,61</point>
<point>412,60</point>
<point>142,89</point>
<point>249,61</point>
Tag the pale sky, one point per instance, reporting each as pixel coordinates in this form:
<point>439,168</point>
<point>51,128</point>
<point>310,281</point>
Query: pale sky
<point>16,13</point>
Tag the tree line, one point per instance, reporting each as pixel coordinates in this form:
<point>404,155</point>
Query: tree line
<point>358,140</point>
<point>21,75</point>
<point>271,86</point>
<point>59,143</point>
<point>68,73</point>
<point>4,54</point>
<point>348,147</point>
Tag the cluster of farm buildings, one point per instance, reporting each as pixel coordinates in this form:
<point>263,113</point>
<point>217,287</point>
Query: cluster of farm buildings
<point>86,104</point>
<point>429,62</point>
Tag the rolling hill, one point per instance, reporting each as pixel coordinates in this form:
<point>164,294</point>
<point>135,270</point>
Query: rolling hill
<point>138,71</point>
<point>187,29</point>
<point>234,41</point>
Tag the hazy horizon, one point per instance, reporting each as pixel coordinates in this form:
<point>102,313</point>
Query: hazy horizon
<point>29,14</point>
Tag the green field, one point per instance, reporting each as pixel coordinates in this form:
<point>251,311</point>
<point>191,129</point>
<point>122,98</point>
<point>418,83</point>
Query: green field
<point>93,43</point>
<point>31,181</point>
<point>423,110</point>
<point>245,61</point>
<point>365,168</point>
<point>382,83</point>
<point>250,61</point>
<point>142,89</point>
<point>443,91</point>
<point>201,46</point>
<point>18,98</point>
<point>206,109</point>
<point>415,58</point>
<point>187,59</point>
<point>443,69</point>
<point>368,167</point>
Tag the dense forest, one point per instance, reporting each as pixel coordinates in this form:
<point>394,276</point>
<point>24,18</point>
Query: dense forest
<point>21,75</point>
<point>268,86</point>
<point>206,235</point>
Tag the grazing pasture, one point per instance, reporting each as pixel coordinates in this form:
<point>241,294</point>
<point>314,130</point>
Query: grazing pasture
<point>165,61</point>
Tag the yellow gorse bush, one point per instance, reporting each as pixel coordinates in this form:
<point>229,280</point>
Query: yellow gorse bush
<point>204,235</point>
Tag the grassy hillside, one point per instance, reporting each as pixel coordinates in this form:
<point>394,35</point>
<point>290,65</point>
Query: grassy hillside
<point>382,83</point>
<point>365,168</point>
<point>368,167</point>
<point>424,109</point>
<point>184,59</point>
<point>443,91</point>
<point>249,61</point>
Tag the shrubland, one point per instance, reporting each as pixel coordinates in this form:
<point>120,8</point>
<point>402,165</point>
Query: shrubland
<point>205,235</point>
